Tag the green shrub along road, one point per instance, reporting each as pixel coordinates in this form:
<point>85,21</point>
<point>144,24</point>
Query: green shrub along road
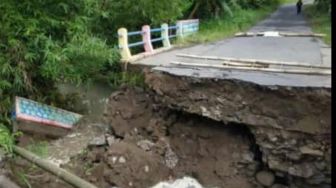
<point>236,18</point>
<point>228,25</point>
<point>319,17</point>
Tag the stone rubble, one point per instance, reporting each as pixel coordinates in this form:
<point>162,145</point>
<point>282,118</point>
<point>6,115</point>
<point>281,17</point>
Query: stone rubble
<point>265,178</point>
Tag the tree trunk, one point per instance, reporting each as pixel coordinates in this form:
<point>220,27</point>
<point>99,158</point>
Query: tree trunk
<point>191,15</point>
<point>57,171</point>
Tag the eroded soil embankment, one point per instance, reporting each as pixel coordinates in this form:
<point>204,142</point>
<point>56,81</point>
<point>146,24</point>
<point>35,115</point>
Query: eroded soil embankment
<point>291,125</point>
<point>223,133</point>
<point>149,143</point>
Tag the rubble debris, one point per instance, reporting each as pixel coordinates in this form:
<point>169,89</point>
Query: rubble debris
<point>185,182</point>
<point>146,145</point>
<point>98,141</point>
<point>265,178</point>
<point>167,145</point>
<point>122,159</point>
<point>111,139</point>
<point>171,158</point>
<point>224,133</point>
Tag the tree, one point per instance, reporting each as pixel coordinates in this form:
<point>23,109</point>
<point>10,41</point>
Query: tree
<point>133,14</point>
<point>214,8</point>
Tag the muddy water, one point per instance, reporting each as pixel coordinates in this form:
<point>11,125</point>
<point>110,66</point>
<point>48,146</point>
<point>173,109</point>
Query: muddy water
<point>92,98</point>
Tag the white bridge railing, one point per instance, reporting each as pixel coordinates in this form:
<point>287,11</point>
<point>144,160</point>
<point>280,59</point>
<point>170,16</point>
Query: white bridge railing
<point>181,29</point>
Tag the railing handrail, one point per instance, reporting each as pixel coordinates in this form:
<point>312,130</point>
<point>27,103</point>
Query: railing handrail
<point>157,39</point>
<point>134,33</point>
<point>173,27</point>
<point>172,36</point>
<point>155,30</point>
<point>182,27</point>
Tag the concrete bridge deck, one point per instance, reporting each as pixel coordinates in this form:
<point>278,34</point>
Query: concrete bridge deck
<point>305,50</point>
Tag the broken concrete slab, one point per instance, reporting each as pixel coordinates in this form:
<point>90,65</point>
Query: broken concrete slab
<point>61,150</point>
<point>98,141</point>
<point>260,78</point>
<point>39,118</point>
<point>302,109</point>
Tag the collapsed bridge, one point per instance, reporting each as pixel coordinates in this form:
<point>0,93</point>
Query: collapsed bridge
<point>277,83</point>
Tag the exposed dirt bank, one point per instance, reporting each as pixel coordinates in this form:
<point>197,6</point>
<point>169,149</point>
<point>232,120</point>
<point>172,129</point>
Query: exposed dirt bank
<point>292,126</point>
<point>224,133</point>
<point>149,143</point>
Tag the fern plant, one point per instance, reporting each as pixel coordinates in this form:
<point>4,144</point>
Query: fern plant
<point>7,139</point>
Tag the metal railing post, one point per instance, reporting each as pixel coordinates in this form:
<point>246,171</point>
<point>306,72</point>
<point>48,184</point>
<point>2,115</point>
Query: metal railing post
<point>123,44</point>
<point>146,38</point>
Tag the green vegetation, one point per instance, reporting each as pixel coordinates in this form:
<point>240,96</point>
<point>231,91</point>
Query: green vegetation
<point>46,42</point>
<point>39,148</point>
<point>23,179</point>
<point>319,16</point>
<point>218,8</point>
<point>126,78</point>
<point>227,26</point>
<point>231,17</point>
<point>7,139</point>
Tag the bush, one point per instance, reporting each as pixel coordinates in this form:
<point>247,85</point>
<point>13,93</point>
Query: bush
<point>43,42</point>
<point>218,8</point>
<point>131,14</point>
<point>323,5</point>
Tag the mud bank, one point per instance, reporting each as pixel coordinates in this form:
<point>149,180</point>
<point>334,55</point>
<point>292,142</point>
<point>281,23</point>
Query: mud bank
<point>223,133</point>
<point>149,143</point>
<point>292,126</point>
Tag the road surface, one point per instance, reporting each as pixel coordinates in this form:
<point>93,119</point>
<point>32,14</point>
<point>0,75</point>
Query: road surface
<point>305,50</point>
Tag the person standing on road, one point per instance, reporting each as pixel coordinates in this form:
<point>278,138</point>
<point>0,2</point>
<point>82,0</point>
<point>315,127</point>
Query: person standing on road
<point>299,6</point>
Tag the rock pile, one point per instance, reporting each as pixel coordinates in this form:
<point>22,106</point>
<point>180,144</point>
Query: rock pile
<point>303,158</point>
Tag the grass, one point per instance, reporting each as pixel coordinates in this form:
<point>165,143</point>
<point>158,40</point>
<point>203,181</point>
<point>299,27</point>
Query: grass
<point>320,21</point>
<point>7,139</point>
<point>227,26</point>
<point>288,1</point>
<point>39,148</point>
<point>24,173</point>
<point>130,78</point>
<point>23,179</point>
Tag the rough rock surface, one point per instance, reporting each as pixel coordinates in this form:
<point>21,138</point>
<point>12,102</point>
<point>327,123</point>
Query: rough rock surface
<point>265,178</point>
<point>291,126</point>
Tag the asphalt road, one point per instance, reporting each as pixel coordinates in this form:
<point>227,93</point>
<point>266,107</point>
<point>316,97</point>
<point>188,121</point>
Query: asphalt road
<point>306,50</point>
